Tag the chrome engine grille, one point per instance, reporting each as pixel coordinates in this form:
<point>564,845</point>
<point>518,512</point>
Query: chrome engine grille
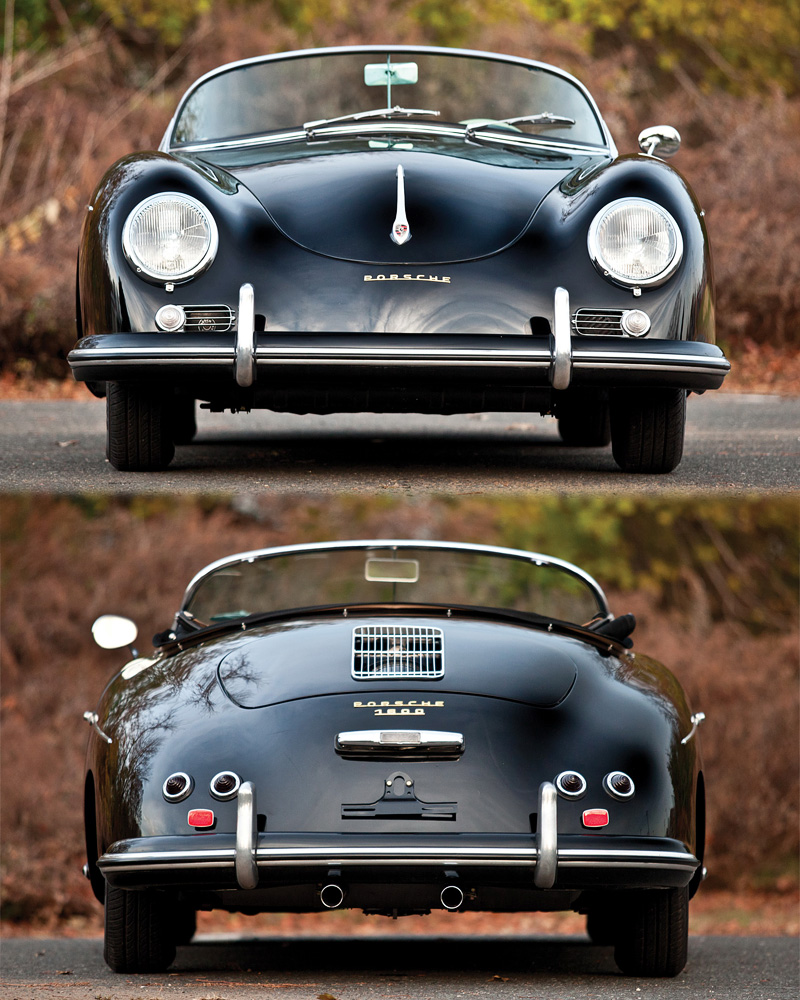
<point>208,319</point>
<point>598,322</point>
<point>381,651</point>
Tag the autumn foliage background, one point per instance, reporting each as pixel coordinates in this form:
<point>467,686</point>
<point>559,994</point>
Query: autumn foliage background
<point>713,583</point>
<point>84,82</point>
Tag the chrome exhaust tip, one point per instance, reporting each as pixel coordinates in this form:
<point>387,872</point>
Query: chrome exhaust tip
<point>331,896</point>
<point>451,897</point>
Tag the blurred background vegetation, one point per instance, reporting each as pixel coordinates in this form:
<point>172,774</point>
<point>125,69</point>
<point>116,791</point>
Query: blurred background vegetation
<point>84,82</point>
<point>713,583</point>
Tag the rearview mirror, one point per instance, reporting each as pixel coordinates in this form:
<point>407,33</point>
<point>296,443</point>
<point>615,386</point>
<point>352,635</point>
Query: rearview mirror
<point>392,570</point>
<point>113,631</point>
<point>390,74</point>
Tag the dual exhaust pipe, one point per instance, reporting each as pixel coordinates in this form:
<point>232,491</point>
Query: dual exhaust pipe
<point>332,896</point>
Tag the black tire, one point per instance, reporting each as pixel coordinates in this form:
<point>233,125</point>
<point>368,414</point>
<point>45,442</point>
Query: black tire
<point>654,933</point>
<point>139,930</point>
<point>185,923</point>
<point>647,428</point>
<point>182,420</point>
<point>139,437</point>
<point>585,423</point>
<point>601,926</point>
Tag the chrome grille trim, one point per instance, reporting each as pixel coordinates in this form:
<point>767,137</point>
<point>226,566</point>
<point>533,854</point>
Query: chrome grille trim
<point>208,319</point>
<point>598,322</point>
<point>389,651</point>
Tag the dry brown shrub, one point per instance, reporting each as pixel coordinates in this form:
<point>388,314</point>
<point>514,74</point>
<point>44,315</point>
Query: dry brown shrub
<point>62,568</point>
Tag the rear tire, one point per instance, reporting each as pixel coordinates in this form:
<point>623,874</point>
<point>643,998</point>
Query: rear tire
<point>647,429</point>
<point>139,437</point>
<point>139,930</point>
<point>584,423</point>
<point>654,933</point>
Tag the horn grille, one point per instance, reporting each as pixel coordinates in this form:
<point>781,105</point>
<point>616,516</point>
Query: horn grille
<point>387,651</point>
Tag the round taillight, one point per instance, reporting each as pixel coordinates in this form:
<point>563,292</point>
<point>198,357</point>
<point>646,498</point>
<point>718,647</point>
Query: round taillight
<point>225,785</point>
<point>178,786</point>
<point>619,785</point>
<point>571,785</point>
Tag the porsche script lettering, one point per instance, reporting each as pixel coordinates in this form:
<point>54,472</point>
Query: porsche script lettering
<point>407,277</point>
<point>398,707</point>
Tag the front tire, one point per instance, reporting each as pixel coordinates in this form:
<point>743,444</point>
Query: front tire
<point>139,930</point>
<point>139,436</point>
<point>654,935</point>
<point>647,429</point>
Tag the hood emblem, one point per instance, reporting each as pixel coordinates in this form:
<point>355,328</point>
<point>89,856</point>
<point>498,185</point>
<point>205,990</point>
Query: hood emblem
<point>401,232</point>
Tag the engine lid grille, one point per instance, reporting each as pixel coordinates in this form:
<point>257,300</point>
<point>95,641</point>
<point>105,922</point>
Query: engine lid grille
<point>388,651</point>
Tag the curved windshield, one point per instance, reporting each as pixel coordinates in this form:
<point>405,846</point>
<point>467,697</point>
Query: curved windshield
<point>286,93</point>
<point>313,577</point>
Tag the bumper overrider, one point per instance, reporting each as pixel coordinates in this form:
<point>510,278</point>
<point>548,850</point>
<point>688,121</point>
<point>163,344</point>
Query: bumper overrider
<point>249,860</point>
<point>243,357</point>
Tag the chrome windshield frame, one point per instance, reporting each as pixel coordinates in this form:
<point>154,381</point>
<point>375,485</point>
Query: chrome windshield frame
<point>537,558</point>
<point>166,145</point>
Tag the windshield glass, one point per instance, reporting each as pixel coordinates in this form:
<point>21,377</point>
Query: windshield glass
<point>286,93</point>
<point>369,575</point>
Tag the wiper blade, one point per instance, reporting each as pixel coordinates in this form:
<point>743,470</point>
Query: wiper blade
<point>395,112</point>
<point>545,119</point>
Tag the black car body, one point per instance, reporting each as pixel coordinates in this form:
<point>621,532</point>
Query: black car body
<point>395,726</point>
<point>398,229</point>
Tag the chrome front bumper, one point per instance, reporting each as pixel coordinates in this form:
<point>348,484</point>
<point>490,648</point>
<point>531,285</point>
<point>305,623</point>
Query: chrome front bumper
<point>559,362</point>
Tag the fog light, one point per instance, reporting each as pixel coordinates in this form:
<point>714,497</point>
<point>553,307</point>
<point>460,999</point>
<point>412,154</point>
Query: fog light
<point>619,785</point>
<point>595,817</point>
<point>635,322</point>
<point>225,785</point>
<point>571,785</point>
<point>171,318</point>
<point>200,819</point>
<point>177,786</point>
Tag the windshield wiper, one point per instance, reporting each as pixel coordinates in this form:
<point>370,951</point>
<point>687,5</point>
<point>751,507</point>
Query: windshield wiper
<point>395,112</point>
<point>545,119</point>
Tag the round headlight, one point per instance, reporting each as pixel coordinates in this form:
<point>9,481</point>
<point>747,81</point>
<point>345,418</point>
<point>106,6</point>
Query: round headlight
<point>635,242</point>
<point>169,237</point>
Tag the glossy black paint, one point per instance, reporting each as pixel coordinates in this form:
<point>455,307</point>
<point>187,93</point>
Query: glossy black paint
<point>530,704</point>
<point>307,223</point>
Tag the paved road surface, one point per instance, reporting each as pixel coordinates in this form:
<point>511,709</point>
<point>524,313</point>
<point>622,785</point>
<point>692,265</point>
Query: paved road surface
<point>734,443</point>
<point>401,968</point>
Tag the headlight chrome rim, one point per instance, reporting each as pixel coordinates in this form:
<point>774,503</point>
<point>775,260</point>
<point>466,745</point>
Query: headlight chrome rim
<point>602,265</point>
<point>162,277</point>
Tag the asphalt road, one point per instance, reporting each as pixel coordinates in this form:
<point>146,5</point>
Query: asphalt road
<point>733,443</point>
<point>397,968</point>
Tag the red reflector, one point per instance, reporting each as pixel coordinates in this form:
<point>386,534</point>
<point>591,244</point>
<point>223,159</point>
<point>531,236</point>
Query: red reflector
<point>201,817</point>
<point>595,817</point>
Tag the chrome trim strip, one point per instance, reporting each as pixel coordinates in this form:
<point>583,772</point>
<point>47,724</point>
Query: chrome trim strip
<point>401,231</point>
<point>386,740</point>
<point>244,358</point>
<point>544,876</point>
<point>246,836</point>
<point>561,371</point>
<point>508,857</point>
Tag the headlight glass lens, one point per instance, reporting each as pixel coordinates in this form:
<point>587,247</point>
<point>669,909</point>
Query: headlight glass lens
<point>635,242</point>
<point>170,237</point>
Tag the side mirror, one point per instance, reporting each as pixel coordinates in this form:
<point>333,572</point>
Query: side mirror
<point>113,631</point>
<point>660,140</point>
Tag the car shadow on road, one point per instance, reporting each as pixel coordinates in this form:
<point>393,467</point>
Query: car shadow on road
<point>398,955</point>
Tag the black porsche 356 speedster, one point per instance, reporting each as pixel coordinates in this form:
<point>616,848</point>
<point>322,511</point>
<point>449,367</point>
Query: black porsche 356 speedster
<point>400,229</point>
<point>395,726</point>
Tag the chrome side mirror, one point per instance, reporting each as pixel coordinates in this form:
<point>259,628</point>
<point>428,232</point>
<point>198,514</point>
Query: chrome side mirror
<point>660,140</point>
<point>113,631</point>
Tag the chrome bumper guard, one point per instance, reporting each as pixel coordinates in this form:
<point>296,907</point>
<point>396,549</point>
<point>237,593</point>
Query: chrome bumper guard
<point>564,362</point>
